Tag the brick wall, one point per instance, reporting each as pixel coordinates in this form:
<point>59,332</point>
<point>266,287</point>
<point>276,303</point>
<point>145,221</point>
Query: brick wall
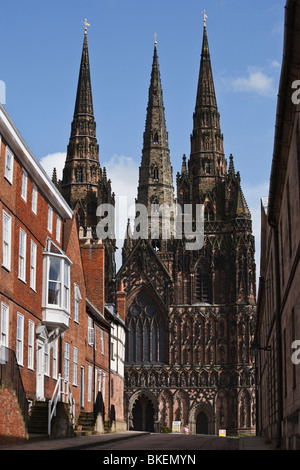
<point>12,427</point>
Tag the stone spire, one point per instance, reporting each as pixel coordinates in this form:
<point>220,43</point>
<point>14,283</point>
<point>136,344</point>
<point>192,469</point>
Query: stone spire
<point>84,100</point>
<point>155,173</point>
<point>207,161</point>
<point>82,168</point>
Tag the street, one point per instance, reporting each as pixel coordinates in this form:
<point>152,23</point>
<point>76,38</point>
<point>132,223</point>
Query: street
<point>171,442</point>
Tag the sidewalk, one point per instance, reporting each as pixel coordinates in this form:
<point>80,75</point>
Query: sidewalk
<point>73,443</point>
<point>255,443</point>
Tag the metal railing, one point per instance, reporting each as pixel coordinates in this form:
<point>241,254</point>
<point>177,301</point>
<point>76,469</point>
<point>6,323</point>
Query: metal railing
<point>10,374</point>
<point>62,393</point>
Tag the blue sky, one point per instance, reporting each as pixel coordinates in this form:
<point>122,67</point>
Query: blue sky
<point>40,49</point>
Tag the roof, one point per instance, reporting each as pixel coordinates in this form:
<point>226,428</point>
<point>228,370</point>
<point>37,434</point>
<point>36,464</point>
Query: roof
<point>96,313</point>
<point>17,144</point>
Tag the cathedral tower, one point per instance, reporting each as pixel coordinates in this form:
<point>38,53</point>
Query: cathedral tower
<point>156,175</point>
<point>85,184</point>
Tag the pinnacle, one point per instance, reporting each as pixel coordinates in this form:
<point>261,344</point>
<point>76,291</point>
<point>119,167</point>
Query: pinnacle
<point>84,101</point>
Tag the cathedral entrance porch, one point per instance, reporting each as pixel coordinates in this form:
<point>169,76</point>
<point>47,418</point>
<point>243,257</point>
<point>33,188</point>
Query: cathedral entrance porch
<point>143,414</point>
<point>202,419</point>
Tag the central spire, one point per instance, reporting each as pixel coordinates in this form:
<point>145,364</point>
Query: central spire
<point>155,175</point>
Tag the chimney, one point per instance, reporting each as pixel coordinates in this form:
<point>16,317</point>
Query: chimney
<point>93,261</point>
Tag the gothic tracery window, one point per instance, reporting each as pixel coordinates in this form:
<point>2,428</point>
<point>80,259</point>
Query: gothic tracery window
<point>208,213</point>
<point>203,284</point>
<point>155,174</point>
<point>146,339</point>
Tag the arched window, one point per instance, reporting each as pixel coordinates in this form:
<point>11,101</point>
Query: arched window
<point>155,138</point>
<point>203,284</point>
<point>209,213</point>
<point>155,174</point>
<point>146,340</point>
<point>79,175</point>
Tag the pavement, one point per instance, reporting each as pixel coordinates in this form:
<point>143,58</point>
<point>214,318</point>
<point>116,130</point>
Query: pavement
<point>84,442</point>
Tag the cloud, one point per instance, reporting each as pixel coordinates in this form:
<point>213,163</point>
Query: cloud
<point>124,173</point>
<point>276,64</point>
<point>255,81</point>
<point>54,160</point>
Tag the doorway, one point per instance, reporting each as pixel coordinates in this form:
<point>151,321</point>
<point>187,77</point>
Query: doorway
<point>201,423</point>
<point>40,370</point>
<point>143,414</point>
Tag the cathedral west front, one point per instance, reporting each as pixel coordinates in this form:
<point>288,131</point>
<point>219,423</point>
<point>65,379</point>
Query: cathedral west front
<point>190,313</point>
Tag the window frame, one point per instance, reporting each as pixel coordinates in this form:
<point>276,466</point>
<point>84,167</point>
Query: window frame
<point>22,255</point>
<point>33,265</point>
<point>6,244</point>
<point>34,198</point>
<point>8,170</point>
<point>77,296</point>
<point>63,261</point>
<point>67,361</point>
<point>50,219</point>
<point>4,325</point>
<point>55,359</point>
<point>24,184</point>
<point>31,326</point>
<point>20,339</point>
<point>58,228</point>
<point>75,366</point>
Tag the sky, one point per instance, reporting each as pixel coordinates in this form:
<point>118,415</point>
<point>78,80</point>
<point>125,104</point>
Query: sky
<point>40,49</point>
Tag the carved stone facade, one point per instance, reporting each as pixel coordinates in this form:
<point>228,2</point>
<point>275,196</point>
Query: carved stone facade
<point>191,313</point>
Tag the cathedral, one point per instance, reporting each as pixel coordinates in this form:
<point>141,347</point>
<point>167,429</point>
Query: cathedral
<point>190,313</point>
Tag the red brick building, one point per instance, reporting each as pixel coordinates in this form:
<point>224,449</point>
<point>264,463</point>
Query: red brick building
<point>278,313</point>
<point>54,326</point>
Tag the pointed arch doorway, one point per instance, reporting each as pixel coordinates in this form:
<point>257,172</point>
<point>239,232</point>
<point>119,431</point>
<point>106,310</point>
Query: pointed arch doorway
<point>201,423</point>
<point>143,414</point>
<point>202,419</point>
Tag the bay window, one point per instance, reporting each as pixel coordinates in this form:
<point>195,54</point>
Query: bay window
<point>58,282</point>
<point>56,287</point>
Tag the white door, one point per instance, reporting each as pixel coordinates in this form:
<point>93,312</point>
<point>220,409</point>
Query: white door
<point>40,370</point>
